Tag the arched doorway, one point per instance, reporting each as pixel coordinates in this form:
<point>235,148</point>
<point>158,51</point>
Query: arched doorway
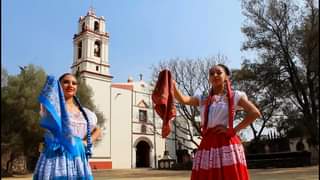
<point>142,154</point>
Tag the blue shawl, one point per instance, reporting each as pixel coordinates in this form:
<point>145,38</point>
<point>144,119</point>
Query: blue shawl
<point>56,118</point>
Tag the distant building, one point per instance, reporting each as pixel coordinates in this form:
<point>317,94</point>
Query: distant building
<point>131,134</point>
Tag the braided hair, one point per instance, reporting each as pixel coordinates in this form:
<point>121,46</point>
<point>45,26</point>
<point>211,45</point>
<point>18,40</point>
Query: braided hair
<point>89,141</point>
<point>230,96</point>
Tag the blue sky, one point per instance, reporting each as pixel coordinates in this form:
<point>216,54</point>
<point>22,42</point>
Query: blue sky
<point>142,33</point>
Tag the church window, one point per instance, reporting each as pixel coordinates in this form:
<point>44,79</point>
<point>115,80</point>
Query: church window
<point>97,68</point>
<point>79,50</point>
<point>143,128</point>
<point>83,26</point>
<point>97,49</point>
<point>300,146</point>
<point>142,115</point>
<point>77,74</point>
<point>96,26</point>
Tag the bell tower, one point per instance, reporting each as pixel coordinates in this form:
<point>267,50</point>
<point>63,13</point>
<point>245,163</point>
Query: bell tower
<point>91,64</point>
<point>91,47</point>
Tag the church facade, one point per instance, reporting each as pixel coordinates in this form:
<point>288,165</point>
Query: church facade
<point>131,134</point>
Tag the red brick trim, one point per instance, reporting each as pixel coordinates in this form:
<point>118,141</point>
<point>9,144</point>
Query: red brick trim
<point>123,86</point>
<point>100,165</point>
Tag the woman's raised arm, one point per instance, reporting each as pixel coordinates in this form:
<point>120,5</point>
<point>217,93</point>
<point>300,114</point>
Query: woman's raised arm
<point>188,100</point>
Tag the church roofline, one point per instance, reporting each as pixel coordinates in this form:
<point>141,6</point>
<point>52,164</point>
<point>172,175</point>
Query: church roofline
<point>123,86</point>
<point>91,12</point>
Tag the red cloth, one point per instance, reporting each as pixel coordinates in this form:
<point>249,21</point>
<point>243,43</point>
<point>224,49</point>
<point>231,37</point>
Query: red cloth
<point>162,97</point>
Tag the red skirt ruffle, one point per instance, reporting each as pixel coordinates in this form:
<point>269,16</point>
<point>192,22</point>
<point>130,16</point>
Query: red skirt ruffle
<point>219,158</point>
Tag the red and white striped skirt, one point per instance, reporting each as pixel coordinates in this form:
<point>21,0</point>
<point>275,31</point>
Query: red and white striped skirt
<point>219,158</point>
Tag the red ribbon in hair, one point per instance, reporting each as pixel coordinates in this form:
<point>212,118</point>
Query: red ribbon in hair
<point>230,132</point>
<point>208,102</point>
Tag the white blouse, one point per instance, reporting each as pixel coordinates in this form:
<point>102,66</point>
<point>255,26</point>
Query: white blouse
<point>218,110</point>
<point>78,123</point>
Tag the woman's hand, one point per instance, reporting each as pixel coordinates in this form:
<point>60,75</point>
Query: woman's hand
<point>219,129</point>
<point>96,134</point>
<point>174,83</point>
<point>252,113</point>
<point>84,142</point>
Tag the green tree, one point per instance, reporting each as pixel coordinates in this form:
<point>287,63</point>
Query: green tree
<point>254,79</point>
<point>285,37</point>
<point>20,131</point>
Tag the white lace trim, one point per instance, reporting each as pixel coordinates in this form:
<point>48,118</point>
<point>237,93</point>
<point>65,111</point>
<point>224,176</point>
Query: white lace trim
<point>218,157</point>
<point>78,124</point>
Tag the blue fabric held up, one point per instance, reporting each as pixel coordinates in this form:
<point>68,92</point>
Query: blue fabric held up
<point>56,118</point>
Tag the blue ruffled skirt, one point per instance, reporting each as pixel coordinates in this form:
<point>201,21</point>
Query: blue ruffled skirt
<point>55,163</point>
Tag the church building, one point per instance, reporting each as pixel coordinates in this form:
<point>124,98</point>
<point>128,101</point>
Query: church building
<point>131,133</point>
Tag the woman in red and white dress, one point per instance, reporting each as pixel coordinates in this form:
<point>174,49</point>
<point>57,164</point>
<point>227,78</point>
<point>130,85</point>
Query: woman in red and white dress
<point>221,154</point>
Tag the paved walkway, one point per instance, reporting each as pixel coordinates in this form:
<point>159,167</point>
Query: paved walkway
<point>301,173</point>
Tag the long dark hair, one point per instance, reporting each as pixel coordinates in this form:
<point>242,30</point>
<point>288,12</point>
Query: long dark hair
<point>64,75</point>
<point>89,141</point>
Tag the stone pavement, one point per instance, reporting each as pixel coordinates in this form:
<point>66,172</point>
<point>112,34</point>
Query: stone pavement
<point>300,173</point>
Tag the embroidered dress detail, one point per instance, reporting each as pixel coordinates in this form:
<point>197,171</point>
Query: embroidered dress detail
<point>79,124</point>
<point>230,155</point>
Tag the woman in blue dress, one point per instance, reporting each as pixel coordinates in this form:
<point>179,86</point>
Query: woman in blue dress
<point>70,131</point>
